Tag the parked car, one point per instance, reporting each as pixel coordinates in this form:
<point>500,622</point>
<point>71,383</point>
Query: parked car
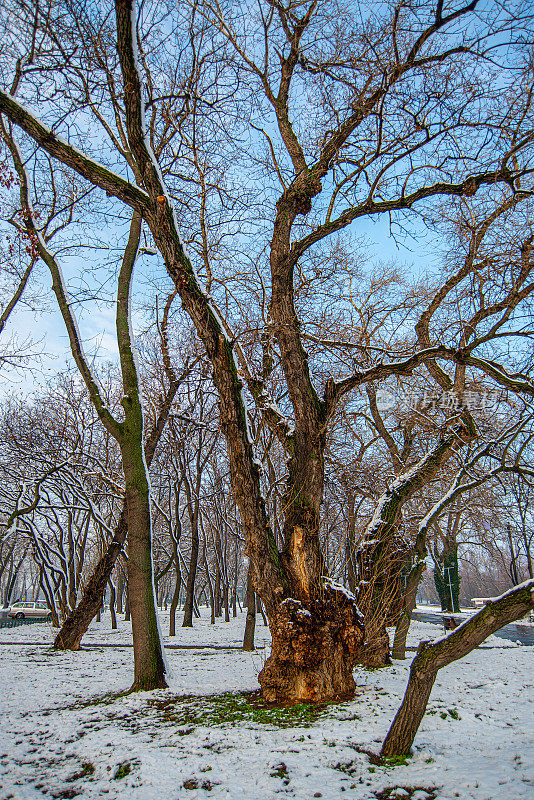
<point>25,609</point>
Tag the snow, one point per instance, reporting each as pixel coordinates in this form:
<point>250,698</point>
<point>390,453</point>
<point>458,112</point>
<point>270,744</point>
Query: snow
<point>474,743</point>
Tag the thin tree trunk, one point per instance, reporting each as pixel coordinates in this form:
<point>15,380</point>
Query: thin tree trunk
<point>178,579</point>
<point>250,624</point>
<point>217,590</point>
<point>174,604</point>
<point>234,596</point>
<point>530,565</point>
<point>49,594</point>
<point>127,615</point>
<point>446,578</point>
<point>191,578</point>
<point>209,583</point>
<point>410,598</point>
<point>431,657</point>
<point>120,591</point>
<point>112,598</point>
<point>226,602</point>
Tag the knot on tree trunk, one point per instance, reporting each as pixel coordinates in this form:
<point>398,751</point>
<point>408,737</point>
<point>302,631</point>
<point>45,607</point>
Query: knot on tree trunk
<point>315,646</point>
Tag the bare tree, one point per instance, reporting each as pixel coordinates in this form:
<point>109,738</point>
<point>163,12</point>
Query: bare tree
<point>401,114</point>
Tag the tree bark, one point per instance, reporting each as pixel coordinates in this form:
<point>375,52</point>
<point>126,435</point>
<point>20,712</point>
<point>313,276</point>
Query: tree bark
<point>447,579</point>
<point>209,582</point>
<point>127,615</point>
<point>120,591</point>
<point>149,667</point>
<point>431,657</point>
<point>178,578</point>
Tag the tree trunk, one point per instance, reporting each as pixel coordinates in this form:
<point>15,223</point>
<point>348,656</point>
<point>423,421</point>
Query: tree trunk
<point>75,626</point>
<point>217,591</point>
<point>120,591</point>
<point>316,645</point>
<point>234,595</point>
<point>350,547</point>
<point>177,586</point>
<point>447,579</point>
<point>174,605</point>
<point>149,667</point>
<point>250,624</point>
<point>226,605</point>
<point>383,555</point>
<point>431,657</point>
<point>127,615</point>
<point>410,597</point>
<point>209,583</point>
<point>112,597</point>
<point>49,595</point>
<point>191,578</point>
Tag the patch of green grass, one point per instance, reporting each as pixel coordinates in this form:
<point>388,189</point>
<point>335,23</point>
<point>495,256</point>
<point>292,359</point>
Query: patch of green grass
<point>86,770</point>
<point>123,769</point>
<point>99,700</point>
<point>233,708</point>
<point>396,761</point>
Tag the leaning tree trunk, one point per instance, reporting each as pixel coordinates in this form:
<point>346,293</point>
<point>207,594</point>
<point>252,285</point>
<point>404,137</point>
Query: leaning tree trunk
<point>431,657</point>
<point>76,624</point>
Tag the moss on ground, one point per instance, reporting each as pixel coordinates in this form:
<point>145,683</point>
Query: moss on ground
<point>233,708</point>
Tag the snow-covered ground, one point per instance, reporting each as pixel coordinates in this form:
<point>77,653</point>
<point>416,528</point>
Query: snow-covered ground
<point>476,741</point>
